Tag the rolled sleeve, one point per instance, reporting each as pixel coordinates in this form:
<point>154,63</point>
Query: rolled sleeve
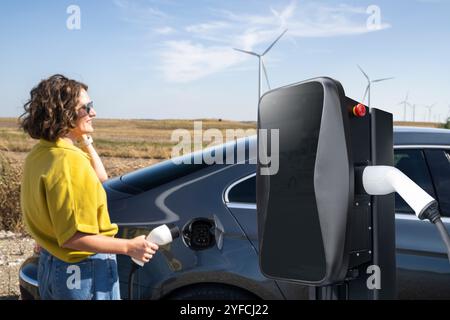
<point>72,204</point>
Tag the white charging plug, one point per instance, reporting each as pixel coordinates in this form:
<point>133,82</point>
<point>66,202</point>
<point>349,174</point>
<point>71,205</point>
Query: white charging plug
<point>161,235</point>
<point>382,180</point>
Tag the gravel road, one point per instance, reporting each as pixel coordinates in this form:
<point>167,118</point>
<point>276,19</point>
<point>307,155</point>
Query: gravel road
<point>14,249</point>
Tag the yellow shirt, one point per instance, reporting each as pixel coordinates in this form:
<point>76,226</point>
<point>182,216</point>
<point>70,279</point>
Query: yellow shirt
<point>60,195</point>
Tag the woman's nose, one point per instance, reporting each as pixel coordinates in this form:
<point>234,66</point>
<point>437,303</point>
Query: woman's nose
<point>92,113</point>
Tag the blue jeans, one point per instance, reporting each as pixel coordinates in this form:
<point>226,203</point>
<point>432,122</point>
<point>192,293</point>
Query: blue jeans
<point>94,278</point>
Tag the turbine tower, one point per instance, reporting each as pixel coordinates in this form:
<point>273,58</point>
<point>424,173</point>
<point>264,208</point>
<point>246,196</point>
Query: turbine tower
<point>405,103</point>
<point>414,112</point>
<point>429,107</point>
<point>261,62</point>
<point>369,85</point>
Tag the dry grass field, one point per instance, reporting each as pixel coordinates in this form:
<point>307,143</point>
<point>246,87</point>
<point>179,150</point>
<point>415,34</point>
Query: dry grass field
<point>149,139</point>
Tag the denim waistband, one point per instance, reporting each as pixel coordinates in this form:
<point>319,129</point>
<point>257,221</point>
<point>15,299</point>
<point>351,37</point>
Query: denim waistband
<point>100,256</point>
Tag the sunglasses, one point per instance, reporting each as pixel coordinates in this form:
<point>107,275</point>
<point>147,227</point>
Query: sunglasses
<point>86,109</point>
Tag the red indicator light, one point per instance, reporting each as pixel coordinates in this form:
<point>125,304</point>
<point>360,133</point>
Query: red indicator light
<point>359,110</point>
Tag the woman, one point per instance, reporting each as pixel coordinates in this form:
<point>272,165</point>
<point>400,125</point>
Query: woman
<point>63,201</point>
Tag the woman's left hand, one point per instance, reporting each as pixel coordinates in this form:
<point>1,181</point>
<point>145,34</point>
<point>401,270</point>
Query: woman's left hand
<point>37,248</point>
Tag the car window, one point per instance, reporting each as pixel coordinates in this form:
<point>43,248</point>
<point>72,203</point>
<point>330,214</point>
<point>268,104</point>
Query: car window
<point>439,162</point>
<point>412,163</point>
<point>244,191</point>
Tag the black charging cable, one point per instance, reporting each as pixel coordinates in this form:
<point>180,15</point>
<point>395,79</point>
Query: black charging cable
<point>134,268</point>
<point>431,212</point>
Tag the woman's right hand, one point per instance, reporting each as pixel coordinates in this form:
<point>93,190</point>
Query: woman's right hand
<point>141,249</point>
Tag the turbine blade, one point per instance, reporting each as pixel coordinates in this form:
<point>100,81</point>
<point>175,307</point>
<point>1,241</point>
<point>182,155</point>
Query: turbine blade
<point>275,12</point>
<point>273,43</point>
<point>367,77</point>
<point>365,93</point>
<point>384,79</point>
<point>265,73</point>
<point>247,52</point>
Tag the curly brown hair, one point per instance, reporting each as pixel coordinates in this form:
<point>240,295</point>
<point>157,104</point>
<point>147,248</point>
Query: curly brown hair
<point>50,112</point>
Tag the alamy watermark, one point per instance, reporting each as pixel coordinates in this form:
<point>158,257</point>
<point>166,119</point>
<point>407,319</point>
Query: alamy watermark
<point>73,21</point>
<point>268,141</point>
<point>74,280</point>
<point>374,20</point>
<point>374,280</point>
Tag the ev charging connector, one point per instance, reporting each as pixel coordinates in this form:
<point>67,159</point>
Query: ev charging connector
<point>382,180</point>
<point>161,235</point>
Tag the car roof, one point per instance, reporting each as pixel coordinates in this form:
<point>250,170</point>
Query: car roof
<point>413,136</point>
<point>421,136</point>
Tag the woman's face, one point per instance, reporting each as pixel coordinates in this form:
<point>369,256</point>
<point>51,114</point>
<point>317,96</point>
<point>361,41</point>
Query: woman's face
<point>84,121</point>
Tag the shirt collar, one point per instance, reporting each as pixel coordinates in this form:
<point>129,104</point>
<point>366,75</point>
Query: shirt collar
<point>61,143</point>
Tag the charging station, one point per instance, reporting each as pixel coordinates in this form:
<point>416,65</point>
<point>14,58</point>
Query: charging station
<point>316,224</point>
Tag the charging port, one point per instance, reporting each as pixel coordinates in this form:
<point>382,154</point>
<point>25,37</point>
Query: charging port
<point>198,234</point>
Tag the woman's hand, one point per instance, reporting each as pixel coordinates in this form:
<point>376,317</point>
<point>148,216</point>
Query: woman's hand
<point>96,162</point>
<point>141,249</point>
<point>37,248</point>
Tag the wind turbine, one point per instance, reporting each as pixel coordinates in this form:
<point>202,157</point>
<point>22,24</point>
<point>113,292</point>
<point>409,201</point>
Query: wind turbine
<point>369,85</point>
<point>261,62</point>
<point>405,104</point>
<point>414,112</point>
<point>429,107</point>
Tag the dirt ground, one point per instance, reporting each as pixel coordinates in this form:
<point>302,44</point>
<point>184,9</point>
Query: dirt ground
<point>14,249</point>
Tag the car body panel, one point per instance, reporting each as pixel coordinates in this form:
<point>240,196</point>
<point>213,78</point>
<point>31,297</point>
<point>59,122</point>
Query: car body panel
<point>181,201</point>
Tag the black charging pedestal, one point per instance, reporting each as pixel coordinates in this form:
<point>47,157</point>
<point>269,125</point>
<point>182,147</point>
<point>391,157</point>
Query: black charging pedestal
<point>336,239</point>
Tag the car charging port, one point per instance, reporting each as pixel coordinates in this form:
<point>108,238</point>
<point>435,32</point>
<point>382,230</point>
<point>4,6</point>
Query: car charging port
<point>198,234</point>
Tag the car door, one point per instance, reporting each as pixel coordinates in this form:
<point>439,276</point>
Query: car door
<point>423,270</point>
<point>240,198</point>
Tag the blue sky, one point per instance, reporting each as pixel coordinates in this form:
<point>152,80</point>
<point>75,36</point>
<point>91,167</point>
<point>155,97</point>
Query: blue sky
<point>174,59</point>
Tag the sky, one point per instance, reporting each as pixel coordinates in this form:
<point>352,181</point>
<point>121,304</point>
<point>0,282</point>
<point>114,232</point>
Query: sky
<point>158,59</point>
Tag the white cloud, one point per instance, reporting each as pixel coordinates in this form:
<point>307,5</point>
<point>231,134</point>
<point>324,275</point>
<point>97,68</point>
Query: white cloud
<point>213,31</point>
<point>121,3</point>
<point>205,28</point>
<point>139,13</point>
<point>430,1</point>
<point>205,47</point>
<point>325,21</point>
<point>184,61</point>
<point>285,14</point>
<point>164,30</point>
